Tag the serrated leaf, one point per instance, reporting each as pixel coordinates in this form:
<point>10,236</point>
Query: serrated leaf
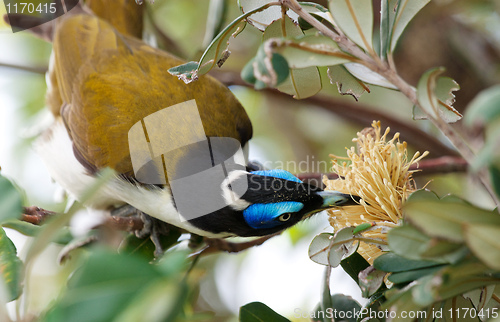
<point>431,91</point>
<point>445,218</point>
<point>310,50</point>
<point>10,201</point>
<point>346,83</point>
<point>366,75</point>
<point>11,267</point>
<point>259,312</point>
<point>480,297</point>
<point>406,10</point>
<point>355,18</point>
<point>300,83</point>
<point>484,108</point>
<point>262,19</point>
<point>483,241</point>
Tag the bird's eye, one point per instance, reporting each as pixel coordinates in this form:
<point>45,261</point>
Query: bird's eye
<point>285,217</point>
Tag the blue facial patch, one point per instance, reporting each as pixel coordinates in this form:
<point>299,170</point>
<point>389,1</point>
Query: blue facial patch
<point>262,215</point>
<point>277,173</point>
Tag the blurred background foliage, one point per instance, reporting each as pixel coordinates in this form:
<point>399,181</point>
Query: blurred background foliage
<point>297,135</point>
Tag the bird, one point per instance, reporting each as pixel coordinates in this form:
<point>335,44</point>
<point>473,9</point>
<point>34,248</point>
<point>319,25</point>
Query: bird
<point>103,82</point>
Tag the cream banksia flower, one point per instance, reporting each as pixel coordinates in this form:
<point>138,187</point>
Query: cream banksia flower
<point>378,172</point>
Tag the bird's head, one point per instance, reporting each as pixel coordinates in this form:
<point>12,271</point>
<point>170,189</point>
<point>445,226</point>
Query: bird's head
<point>273,201</point>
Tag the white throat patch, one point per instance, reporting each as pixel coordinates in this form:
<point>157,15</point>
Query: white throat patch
<point>231,198</point>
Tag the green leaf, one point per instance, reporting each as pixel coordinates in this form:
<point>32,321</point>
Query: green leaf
<point>406,10</point>
<point>355,18</point>
<point>445,218</point>
<point>270,69</point>
<point>367,75</point>
<point>319,247</point>
<point>63,236</point>
<point>483,240</point>
<point>11,267</point>
<point>10,201</point>
<point>412,275</point>
<point>187,69</point>
<point>495,178</point>
<point>463,277</point>
<point>113,287</point>
<point>264,18</point>
<point>401,301</point>
<point>145,247</point>
<point>161,300</point>
<point>370,280</point>
<point>217,11</point>
<point>407,241</point>
<point>342,246</point>
<point>387,16</point>
<point>433,92</point>
<point>484,107</point>
<point>107,284</point>
<point>353,265</point>
<point>300,83</point>
<point>489,155</point>
<point>344,303</point>
<point>391,262</point>
<point>460,309</point>
<point>346,83</point>
<point>217,52</point>
<point>310,50</point>
<point>326,297</point>
<point>259,312</point>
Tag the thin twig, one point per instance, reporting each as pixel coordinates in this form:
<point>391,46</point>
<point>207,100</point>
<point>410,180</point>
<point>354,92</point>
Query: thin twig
<point>440,165</point>
<point>32,69</point>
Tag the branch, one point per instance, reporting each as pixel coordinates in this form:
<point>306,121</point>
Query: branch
<point>425,167</point>
<point>357,112</point>
<point>37,216</point>
<point>216,245</point>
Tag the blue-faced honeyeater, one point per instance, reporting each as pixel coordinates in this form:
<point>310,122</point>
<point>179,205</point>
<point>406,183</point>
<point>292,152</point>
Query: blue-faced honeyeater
<point>102,80</point>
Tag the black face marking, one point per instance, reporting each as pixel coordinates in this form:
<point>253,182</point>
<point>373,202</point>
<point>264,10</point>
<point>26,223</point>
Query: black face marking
<point>262,190</point>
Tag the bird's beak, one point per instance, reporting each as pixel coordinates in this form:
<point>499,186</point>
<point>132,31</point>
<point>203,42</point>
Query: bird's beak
<point>335,199</point>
